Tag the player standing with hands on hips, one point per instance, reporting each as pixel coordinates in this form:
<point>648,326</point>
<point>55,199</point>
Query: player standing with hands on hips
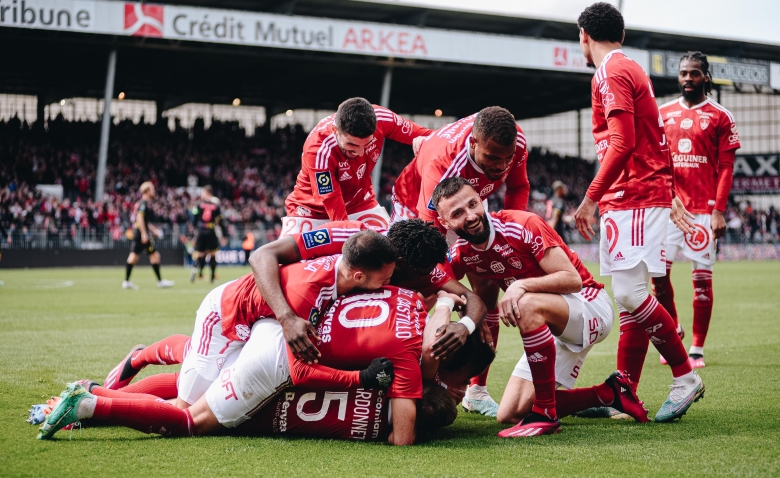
<point>634,190</point>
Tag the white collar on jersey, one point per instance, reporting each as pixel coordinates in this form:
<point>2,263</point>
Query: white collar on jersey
<point>682,104</point>
<point>492,229</point>
<point>609,55</point>
<point>336,278</point>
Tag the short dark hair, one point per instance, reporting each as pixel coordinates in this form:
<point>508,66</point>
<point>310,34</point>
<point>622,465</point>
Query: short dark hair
<point>475,354</point>
<point>418,243</point>
<point>436,410</point>
<point>602,22</point>
<point>368,250</point>
<point>705,65</point>
<point>448,188</point>
<point>356,117</point>
<point>496,123</point>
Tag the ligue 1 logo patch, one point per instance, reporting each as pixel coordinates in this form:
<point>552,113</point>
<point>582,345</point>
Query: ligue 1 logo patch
<point>316,238</point>
<point>324,182</point>
<point>431,206</point>
<point>314,317</point>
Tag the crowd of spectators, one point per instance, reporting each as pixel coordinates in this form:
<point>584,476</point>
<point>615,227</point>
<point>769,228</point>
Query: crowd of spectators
<point>251,174</point>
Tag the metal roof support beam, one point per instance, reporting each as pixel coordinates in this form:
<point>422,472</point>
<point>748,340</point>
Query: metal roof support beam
<point>387,84</point>
<point>100,181</point>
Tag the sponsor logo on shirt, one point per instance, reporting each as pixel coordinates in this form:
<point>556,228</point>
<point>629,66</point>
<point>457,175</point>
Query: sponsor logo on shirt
<point>674,114</point>
<point>619,194</point>
<point>437,275</point>
<point>324,182</point>
<point>509,281</point>
<point>684,145</point>
<point>686,123</point>
<point>688,160</point>
<point>497,267</point>
<point>504,250</point>
<point>303,211</point>
<point>734,128</point>
<point>316,238</point>
<point>472,259</point>
<point>734,138</point>
<point>344,164</point>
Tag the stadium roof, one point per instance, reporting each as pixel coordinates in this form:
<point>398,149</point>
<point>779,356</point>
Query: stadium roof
<point>58,64</point>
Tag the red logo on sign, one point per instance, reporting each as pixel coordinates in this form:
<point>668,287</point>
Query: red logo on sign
<point>143,20</point>
<point>560,56</point>
<point>699,239</point>
<point>612,233</point>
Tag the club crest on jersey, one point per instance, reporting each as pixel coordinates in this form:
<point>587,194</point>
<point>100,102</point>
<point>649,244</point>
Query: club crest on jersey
<point>243,332</point>
<point>361,171</point>
<point>497,267</point>
<point>515,262</point>
<point>704,122</point>
<point>314,317</point>
<point>316,238</point>
<point>324,182</point>
<point>686,123</point>
<point>486,190</point>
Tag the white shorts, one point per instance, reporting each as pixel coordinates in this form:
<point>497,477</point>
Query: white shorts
<point>210,350</point>
<point>632,236</point>
<point>260,372</point>
<point>375,218</point>
<point>698,246</point>
<point>590,321</point>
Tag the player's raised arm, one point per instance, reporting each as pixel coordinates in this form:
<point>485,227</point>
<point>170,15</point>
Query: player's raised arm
<point>404,418</point>
<point>265,262</point>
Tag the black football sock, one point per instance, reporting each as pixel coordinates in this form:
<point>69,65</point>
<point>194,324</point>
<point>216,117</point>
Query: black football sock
<point>201,265</point>
<point>156,268</point>
<point>128,270</point>
<point>213,266</point>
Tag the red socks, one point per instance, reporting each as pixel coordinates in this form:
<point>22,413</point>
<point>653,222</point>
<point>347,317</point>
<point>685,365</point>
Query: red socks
<point>661,329</point>
<point>664,292</point>
<point>632,347</point>
<point>568,402</point>
<point>702,305</point>
<point>162,385</point>
<point>108,393</point>
<point>168,351</point>
<point>540,349</point>
<point>494,325</point>
<point>147,416</point>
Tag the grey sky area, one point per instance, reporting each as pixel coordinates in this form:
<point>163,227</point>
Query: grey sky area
<point>747,20</point>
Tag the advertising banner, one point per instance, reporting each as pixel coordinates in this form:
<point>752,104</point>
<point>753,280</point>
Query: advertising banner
<point>724,70</point>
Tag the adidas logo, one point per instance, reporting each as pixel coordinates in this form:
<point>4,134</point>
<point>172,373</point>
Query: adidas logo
<point>706,256</point>
<point>671,121</point>
<point>536,357</point>
<point>657,341</point>
<point>702,297</point>
<point>345,176</point>
<point>618,257</point>
<point>479,269</point>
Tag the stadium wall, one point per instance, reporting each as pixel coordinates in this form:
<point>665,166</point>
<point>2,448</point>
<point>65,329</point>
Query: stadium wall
<point>37,258</point>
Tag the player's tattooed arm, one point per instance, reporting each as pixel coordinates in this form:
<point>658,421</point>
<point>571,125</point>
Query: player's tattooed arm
<point>265,263</point>
<point>404,419</point>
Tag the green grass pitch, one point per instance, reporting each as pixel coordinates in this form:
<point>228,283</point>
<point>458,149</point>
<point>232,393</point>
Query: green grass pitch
<point>59,325</point>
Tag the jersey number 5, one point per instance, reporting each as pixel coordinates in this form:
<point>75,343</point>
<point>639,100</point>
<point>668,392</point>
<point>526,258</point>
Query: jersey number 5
<point>341,397</point>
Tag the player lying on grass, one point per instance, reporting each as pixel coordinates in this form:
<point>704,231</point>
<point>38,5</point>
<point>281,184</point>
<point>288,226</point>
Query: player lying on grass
<point>421,266</point>
<point>226,316</point>
<point>357,328</point>
<point>560,309</point>
<point>489,150</point>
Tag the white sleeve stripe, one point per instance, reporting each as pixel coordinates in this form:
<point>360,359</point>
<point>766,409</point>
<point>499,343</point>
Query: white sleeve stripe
<point>457,164</point>
<point>724,110</point>
<point>323,154</point>
<point>670,103</point>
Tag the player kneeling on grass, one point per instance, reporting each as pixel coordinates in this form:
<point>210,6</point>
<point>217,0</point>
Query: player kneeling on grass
<point>549,295</point>
<point>390,321</point>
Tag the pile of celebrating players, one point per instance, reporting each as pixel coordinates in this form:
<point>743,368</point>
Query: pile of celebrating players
<point>344,327</point>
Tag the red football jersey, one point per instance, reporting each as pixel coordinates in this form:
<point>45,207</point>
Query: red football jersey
<point>330,239</point>
<point>620,84</point>
<point>445,154</point>
<point>696,137</point>
<point>389,322</point>
<point>326,172</point>
<point>357,414</point>
<point>314,287</point>
<point>517,243</point>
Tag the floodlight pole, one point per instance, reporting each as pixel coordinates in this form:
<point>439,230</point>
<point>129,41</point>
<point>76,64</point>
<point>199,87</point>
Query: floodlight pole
<point>387,84</point>
<point>100,181</point>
